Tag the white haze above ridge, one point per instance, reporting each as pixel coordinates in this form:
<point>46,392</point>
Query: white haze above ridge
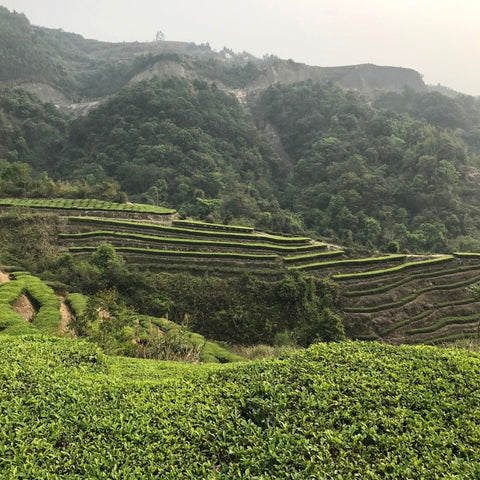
<point>437,38</point>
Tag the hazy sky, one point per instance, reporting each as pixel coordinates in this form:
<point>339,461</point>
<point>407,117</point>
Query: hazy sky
<point>438,38</point>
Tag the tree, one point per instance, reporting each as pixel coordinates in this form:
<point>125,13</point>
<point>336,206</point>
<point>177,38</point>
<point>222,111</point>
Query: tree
<point>107,322</point>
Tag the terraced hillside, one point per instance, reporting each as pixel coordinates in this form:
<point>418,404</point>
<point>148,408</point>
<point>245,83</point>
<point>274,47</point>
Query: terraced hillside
<point>392,298</point>
<point>99,208</point>
<point>28,306</point>
<point>420,301</point>
<point>188,245</point>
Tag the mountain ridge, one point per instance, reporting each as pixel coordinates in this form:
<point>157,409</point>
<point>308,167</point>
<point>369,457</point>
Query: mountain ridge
<point>71,71</point>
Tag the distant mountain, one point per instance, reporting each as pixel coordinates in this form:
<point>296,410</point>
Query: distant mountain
<point>72,71</point>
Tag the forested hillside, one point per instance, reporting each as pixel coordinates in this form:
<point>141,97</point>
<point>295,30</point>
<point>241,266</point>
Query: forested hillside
<point>357,173</point>
<point>372,176</point>
<point>186,144</point>
<point>399,171</point>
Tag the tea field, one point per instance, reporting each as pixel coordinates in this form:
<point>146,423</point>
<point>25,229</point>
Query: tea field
<point>396,298</point>
<point>348,410</point>
<point>45,317</point>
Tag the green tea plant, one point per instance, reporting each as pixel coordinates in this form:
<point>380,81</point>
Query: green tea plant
<point>347,410</point>
<point>275,239</point>
<point>84,204</point>
<point>47,317</point>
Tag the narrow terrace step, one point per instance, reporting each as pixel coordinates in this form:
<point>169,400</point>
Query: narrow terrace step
<point>190,232</point>
<point>186,254</point>
<point>388,271</point>
<point>375,286</point>
<point>337,265</point>
<point>414,286</point>
<point>120,237</point>
<point>211,226</point>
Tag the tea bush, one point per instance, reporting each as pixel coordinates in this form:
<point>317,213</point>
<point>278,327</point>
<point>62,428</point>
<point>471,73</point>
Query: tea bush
<point>349,410</point>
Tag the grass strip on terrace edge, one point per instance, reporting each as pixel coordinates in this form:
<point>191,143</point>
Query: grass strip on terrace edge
<point>353,261</point>
<point>467,254</point>
<point>386,271</point>
<point>212,352</point>
<point>406,279</point>
<point>392,328</point>
<point>78,204</point>
<point>273,273</point>
<point>307,256</point>
<point>214,226</point>
<point>48,317</point>
<point>182,253</point>
<point>10,291</point>
<point>443,322</point>
<point>189,231</point>
<point>440,341</point>
<point>426,313</point>
<point>413,296</point>
<point>185,241</point>
<point>76,302</point>
<point>454,303</point>
<point>12,323</point>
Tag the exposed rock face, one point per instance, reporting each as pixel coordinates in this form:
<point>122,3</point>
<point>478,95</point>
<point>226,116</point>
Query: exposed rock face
<point>369,78</point>
<point>24,307</point>
<point>365,78</point>
<point>165,68</point>
<point>47,93</point>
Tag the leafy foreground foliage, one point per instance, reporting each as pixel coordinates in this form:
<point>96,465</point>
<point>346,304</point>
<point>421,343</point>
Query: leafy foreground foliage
<point>334,411</point>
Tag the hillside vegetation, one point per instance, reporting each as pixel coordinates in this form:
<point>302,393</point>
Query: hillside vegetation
<point>352,172</point>
<point>30,306</point>
<point>247,295</point>
<point>209,207</point>
<point>402,167</point>
<point>334,411</point>
<point>294,287</point>
<point>67,67</point>
<point>373,176</point>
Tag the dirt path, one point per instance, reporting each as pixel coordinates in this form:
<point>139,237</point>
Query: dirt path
<point>23,306</point>
<point>4,277</point>
<point>66,318</point>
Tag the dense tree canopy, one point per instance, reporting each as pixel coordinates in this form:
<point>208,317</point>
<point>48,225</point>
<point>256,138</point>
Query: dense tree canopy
<point>369,175</point>
<point>187,144</point>
<point>401,170</point>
